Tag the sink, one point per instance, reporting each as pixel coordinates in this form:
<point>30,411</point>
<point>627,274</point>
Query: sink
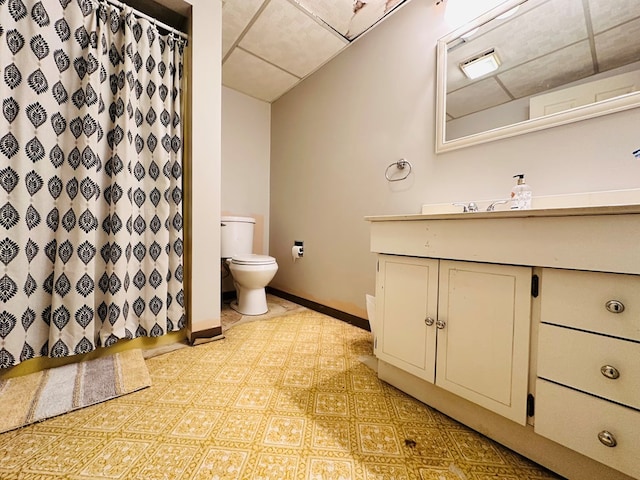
<point>457,207</point>
<point>589,199</point>
<point>573,200</point>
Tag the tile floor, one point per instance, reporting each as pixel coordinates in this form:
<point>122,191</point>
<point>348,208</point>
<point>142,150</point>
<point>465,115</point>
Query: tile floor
<point>282,397</point>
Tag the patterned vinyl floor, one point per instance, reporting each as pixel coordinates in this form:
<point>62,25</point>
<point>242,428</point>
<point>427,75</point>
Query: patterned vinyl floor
<point>286,396</point>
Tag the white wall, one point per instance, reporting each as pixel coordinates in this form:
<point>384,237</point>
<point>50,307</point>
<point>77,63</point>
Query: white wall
<point>246,140</point>
<point>334,135</point>
<point>246,143</point>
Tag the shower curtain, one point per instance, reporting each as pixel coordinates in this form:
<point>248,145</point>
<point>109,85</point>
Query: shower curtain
<point>91,174</point>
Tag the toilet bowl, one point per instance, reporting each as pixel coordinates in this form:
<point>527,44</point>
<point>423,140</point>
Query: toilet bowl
<point>251,273</point>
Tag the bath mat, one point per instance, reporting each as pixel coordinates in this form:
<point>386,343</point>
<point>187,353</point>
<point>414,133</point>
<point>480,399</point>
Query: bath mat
<point>41,395</point>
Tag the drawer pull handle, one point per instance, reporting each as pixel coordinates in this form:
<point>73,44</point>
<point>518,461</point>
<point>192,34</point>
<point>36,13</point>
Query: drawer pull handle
<point>440,324</point>
<point>607,439</point>
<point>610,372</point>
<point>429,321</point>
<point>615,306</point>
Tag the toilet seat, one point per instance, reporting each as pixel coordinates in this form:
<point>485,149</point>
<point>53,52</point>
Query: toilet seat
<point>251,274</point>
<point>252,259</point>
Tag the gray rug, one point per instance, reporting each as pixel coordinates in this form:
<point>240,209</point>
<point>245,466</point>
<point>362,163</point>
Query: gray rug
<point>41,395</point>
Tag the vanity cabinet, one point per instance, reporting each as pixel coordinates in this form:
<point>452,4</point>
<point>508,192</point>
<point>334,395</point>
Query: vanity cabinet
<point>461,325</point>
<point>587,391</point>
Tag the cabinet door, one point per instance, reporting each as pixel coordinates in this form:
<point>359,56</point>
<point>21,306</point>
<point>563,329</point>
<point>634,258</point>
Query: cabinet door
<point>406,295</point>
<point>483,347</point>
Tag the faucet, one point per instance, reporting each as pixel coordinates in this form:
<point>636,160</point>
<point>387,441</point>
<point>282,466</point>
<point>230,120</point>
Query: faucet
<point>471,207</point>
<point>492,207</point>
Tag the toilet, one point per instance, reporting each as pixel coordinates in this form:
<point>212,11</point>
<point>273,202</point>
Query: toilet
<point>251,272</point>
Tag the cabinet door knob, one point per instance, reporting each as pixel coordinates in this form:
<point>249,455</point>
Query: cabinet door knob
<point>615,306</point>
<point>429,321</point>
<point>610,372</point>
<point>607,439</point>
<point>440,324</point>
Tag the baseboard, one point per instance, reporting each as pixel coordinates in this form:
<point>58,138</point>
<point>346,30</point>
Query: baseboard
<point>204,334</point>
<point>318,307</point>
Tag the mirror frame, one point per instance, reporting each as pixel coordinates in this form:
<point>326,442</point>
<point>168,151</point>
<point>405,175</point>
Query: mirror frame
<point>604,107</point>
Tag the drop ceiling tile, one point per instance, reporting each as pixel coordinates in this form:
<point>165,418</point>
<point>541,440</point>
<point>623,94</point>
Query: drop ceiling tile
<point>532,33</point>
<point>286,36</point>
<point>336,13</point>
<point>340,15</point>
<point>368,16</point>
<point>483,94</point>
<point>618,46</point>
<point>605,15</point>
<point>558,68</point>
<point>250,75</point>
<point>236,15</point>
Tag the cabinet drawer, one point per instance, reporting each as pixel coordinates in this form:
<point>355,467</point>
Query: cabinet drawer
<point>575,359</point>
<point>575,419</point>
<point>578,299</point>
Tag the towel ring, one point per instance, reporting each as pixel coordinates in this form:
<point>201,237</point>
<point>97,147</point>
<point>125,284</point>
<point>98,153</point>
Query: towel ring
<point>400,165</point>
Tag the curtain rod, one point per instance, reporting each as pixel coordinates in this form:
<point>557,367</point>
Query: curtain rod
<point>157,23</point>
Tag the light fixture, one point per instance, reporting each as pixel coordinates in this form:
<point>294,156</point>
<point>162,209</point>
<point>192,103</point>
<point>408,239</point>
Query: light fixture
<point>481,64</point>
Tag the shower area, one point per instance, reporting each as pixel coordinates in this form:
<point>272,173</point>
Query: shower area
<point>91,178</point>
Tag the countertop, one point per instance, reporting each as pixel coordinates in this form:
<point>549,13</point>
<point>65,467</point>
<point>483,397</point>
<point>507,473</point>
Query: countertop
<point>541,212</point>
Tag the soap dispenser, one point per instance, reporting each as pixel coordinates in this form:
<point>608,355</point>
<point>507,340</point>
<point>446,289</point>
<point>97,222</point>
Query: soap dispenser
<point>520,194</point>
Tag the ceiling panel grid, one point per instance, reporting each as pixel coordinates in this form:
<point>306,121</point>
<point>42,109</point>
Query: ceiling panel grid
<point>285,36</point>
<point>268,46</point>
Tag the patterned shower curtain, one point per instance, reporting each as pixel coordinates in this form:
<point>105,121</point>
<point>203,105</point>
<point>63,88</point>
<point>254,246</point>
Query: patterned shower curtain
<point>91,174</point>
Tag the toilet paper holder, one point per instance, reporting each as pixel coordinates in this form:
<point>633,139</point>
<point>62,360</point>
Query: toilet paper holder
<point>297,251</point>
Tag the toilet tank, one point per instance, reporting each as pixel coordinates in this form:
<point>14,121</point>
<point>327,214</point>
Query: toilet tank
<point>236,236</point>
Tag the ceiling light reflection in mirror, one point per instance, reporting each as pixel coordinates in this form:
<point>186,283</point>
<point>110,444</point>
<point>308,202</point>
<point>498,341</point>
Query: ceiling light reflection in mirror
<point>559,61</point>
<point>481,65</point>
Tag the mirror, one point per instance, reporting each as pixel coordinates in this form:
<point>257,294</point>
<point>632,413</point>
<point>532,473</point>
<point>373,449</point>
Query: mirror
<point>558,61</point>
